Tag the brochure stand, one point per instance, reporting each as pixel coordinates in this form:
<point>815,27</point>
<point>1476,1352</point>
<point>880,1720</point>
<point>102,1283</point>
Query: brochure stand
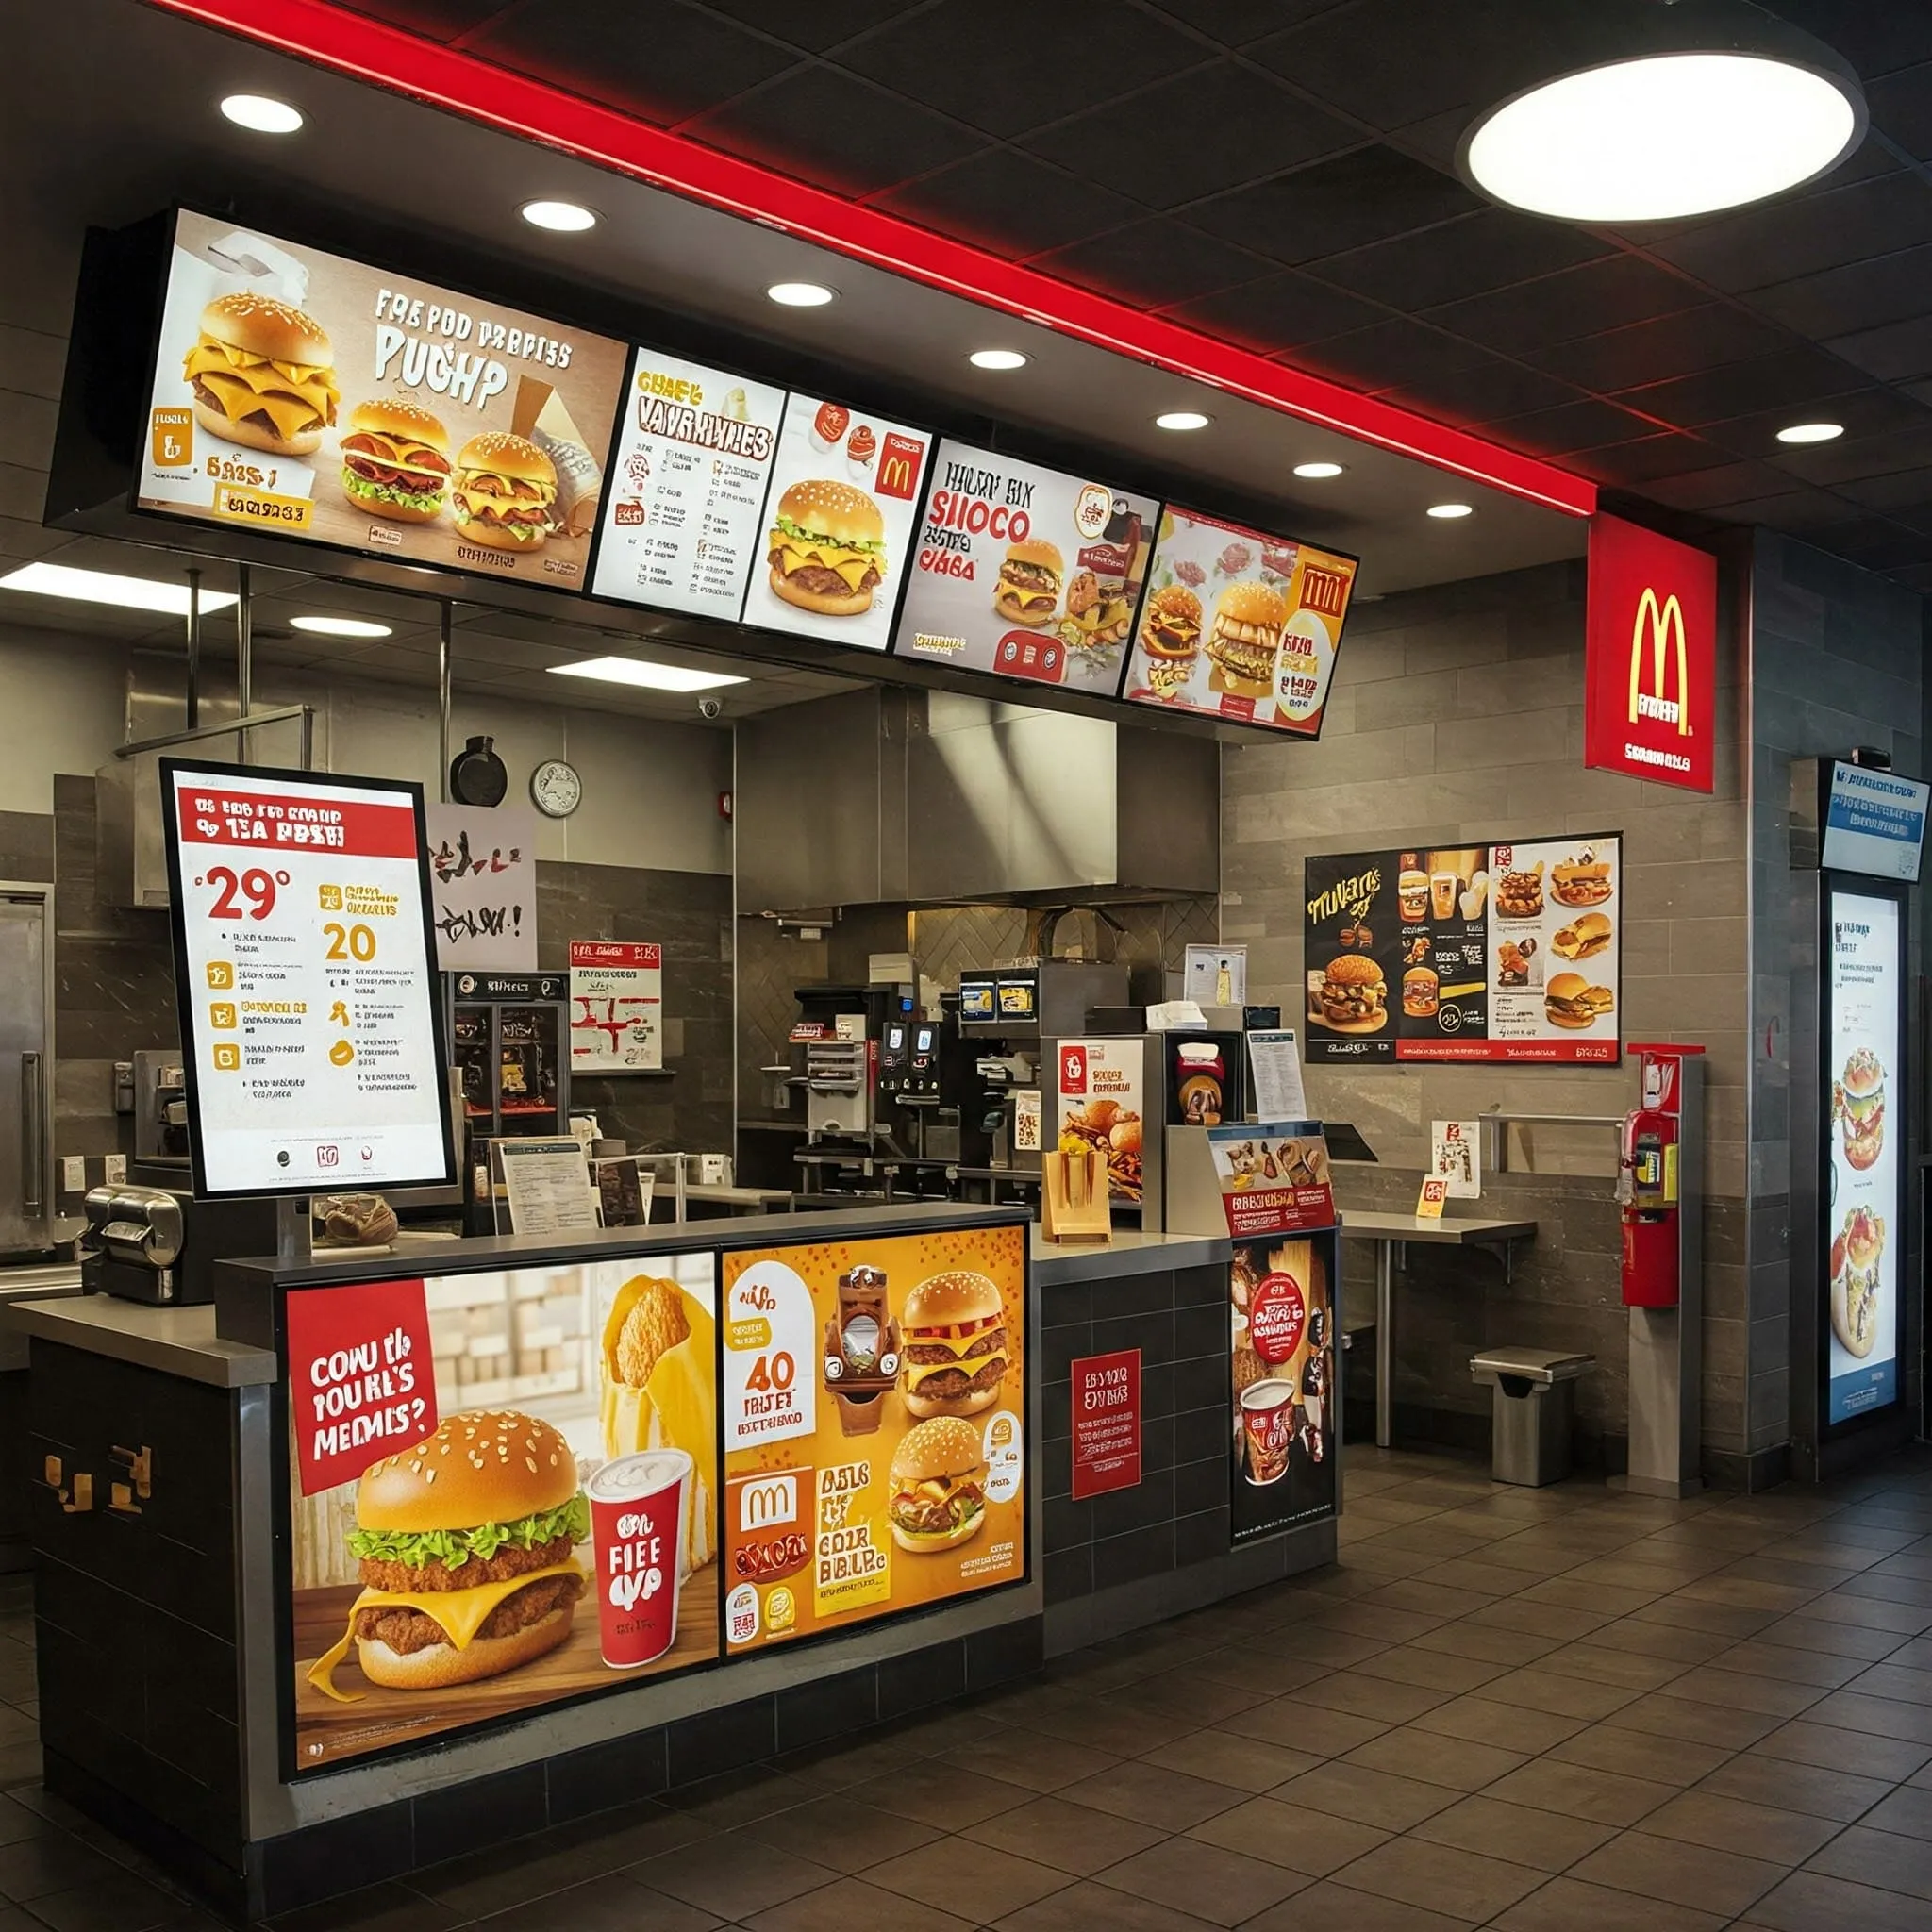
<point>1073,1198</point>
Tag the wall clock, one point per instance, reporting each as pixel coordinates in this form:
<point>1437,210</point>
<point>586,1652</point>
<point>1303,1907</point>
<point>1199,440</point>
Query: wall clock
<point>556,790</point>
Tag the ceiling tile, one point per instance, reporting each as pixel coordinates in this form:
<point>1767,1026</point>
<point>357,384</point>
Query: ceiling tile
<point>803,27</point>
<point>1388,352</point>
<point>1861,295</point>
<point>686,62</point>
<point>1278,313</point>
<point>1864,412</point>
<point>1638,463</point>
<point>1356,198</point>
<point>436,20</point>
<point>1691,340</point>
<point>1877,543</point>
<point>1579,301</point>
<point>1722,483</point>
<point>1875,39</point>
<point>1578,425</point>
<point>1904,489</point>
<point>1007,201</point>
<point>1193,135</point>
<point>1899,350</point>
<point>1159,262</point>
<point>1876,456</point>
<point>1234,23</point>
<point>826,127</point>
<point>1783,381</point>
<point>1008,65</point>
<point>1463,257</point>
<point>1488,389</point>
<point>1902,109</point>
<point>1792,511</point>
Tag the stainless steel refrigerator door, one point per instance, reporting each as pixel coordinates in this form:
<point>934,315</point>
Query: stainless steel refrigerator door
<point>27,1060</point>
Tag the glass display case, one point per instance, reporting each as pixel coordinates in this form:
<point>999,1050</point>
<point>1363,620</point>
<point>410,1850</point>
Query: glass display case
<point>510,1038</point>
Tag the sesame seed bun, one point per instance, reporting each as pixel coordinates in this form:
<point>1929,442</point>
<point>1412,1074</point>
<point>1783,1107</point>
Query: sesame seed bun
<point>1252,604</point>
<point>833,510</point>
<point>392,417</point>
<point>505,454</point>
<point>261,326</point>
<point>1045,555</point>
<point>958,1295</point>
<point>486,1466</point>
<point>1355,968</point>
<point>943,1447</point>
<point>440,1664</point>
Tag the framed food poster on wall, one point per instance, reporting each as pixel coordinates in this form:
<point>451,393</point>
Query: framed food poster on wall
<point>1502,952</point>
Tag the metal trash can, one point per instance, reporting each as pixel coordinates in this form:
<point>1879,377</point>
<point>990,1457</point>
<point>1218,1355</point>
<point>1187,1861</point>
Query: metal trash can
<point>1534,1407</point>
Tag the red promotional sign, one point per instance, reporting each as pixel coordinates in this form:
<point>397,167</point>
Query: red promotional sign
<point>615,953</point>
<point>1649,667</point>
<point>360,1385</point>
<point>292,820</point>
<point>1106,1423</point>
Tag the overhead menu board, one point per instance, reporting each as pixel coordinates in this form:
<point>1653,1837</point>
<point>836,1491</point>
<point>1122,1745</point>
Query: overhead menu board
<point>839,526</point>
<point>689,470</point>
<point>1031,572</point>
<point>1239,624</point>
<point>299,394</point>
<point>304,971</point>
<point>1504,952</point>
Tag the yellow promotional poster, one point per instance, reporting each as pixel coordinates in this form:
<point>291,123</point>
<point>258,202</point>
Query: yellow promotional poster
<point>873,1404</point>
<point>503,1494</point>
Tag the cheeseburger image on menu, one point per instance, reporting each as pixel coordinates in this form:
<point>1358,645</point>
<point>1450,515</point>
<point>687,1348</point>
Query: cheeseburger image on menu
<point>827,548</point>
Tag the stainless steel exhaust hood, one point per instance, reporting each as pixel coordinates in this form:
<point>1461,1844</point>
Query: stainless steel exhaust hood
<point>889,795</point>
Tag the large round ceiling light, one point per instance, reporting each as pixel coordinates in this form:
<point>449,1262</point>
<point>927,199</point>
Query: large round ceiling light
<point>1666,135</point>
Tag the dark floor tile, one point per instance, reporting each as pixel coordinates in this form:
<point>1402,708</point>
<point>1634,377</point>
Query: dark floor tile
<point>1662,1715</point>
<point>1859,1752</point>
<point>1070,1837</point>
<point>1579,1791</point>
<point>1225,1886</point>
<point>840,1832</point>
<point>1883,1858</point>
<point>844,1905</point>
<point>1452,1762</point>
<point>1833,1637</point>
<point>1038,1762</point>
<point>1303,1840</point>
<point>1810,1902</point>
<point>985,1882</point>
<point>1691,1876</point>
<point>1634,1754</point>
<point>1246,1763</point>
<point>613,1902</point>
<point>1370,1797</point>
<point>1084,1905</point>
<point>1489,1645</point>
<point>1465,1885</point>
<point>1287,1721</point>
<point>731,1875</point>
<point>1558,1694</point>
<point>1907,1811</point>
<point>120,1903</point>
<point>1807,1787</point>
<point>939,1795</point>
<point>1479,1720</point>
<point>1152,1795</point>
<point>1430,1670</point>
<point>1568,1905</point>
<point>1372,1697</point>
<point>1519,1833</point>
<point>1327,1904</point>
<point>1773,1833</point>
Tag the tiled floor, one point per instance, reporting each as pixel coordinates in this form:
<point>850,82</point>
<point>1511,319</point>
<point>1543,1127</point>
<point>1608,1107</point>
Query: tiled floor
<point>1543,1710</point>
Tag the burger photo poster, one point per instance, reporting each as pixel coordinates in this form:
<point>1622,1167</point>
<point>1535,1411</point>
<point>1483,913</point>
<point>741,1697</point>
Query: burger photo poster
<point>1555,922</point>
<point>874,1429</point>
<point>839,524</point>
<point>1026,572</point>
<point>1863,1190</point>
<point>690,472</point>
<point>504,1493</point>
<point>1239,624</point>
<point>1352,949</point>
<point>300,394</point>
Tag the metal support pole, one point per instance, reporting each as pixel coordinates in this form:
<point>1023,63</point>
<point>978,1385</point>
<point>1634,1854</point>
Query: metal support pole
<point>194,646</point>
<point>1385,1340</point>
<point>443,653</point>
<point>244,651</point>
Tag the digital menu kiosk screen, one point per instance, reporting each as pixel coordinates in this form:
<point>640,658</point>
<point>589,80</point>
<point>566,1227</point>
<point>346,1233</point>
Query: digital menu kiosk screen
<point>875,1412</point>
<point>1239,624</point>
<point>1030,573</point>
<point>1862,1175</point>
<point>300,394</point>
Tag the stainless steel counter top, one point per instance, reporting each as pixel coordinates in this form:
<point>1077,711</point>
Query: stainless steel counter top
<point>178,1341</point>
<point>1128,1254</point>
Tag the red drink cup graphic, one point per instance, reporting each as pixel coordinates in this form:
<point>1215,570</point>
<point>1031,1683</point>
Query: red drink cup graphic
<point>637,1507</point>
<point>1267,1418</point>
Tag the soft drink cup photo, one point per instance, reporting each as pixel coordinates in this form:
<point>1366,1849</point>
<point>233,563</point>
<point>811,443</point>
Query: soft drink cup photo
<point>638,1506</point>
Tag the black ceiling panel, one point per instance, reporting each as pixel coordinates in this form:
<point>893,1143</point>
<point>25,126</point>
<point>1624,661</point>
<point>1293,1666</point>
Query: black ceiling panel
<point>1861,295</point>
<point>1877,543</point>
<point>1194,134</point>
<point>1858,456</point>
<point>1903,489</point>
<point>1635,465</point>
<point>835,132</point>
<point>1280,311</point>
<point>1008,65</point>
<point>803,27</point>
<point>1159,262</point>
<point>1363,357</point>
<point>1875,35</point>
<point>1864,413</point>
<point>1357,198</point>
<point>1722,484</point>
<point>1902,108</point>
<point>1899,351</point>
<point>1780,382</point>
<point>1465,257</point>
<point>688,62</point>
<point>1234,23</point>
<point>1585,425</point>
<point>1486,389</point>
<point>1009,201</point>
<point>1693,339</point>
<point>1580,301</point>
<point>435,20</point>
<point>1804,234</point>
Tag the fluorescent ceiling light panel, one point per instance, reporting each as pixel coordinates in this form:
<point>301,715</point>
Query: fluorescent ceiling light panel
<point>104,587</point>
<point>645,676</point>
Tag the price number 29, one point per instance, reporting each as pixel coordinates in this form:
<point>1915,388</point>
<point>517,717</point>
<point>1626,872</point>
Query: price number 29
<point>256,886</point>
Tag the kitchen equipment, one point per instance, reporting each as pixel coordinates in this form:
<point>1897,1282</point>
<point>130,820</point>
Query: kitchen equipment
<point>161,1244</point>
<point>27,1059</point>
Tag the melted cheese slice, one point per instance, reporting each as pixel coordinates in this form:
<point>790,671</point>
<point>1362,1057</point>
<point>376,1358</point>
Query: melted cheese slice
<point>398,455</point>
<point>851,565</point>
<point>459,1612</point>
<point>677,1408</point>
<point>957,1346</point>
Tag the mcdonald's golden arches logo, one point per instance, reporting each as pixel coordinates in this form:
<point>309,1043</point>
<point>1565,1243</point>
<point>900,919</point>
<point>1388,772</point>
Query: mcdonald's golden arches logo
<point>1662,624</point>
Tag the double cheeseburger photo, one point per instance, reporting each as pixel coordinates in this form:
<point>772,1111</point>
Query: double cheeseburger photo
<point>262,375</point>
<point>465,1545</point>
<point>1028,588</point>
<point>1353,996</point>
<point>1244,640</point>
<point>826,548</point>
<point>954,1327</point>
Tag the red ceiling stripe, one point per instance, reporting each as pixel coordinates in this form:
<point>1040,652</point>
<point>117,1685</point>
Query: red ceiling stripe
<point>316,31</point>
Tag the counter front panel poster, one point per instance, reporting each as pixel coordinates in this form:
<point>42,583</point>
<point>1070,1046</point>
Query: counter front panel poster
<point>1239,624</point>
<point>305,980</point>
<point>685,502</point>
<point>1504,952</point>
<point>875,1428</point>
<point>299,394</point>
<point>1282,1433</point>
<point>839,526</point>
<point>1862,1191</point>
<point>503,1493</point>
<point>1030,573</point>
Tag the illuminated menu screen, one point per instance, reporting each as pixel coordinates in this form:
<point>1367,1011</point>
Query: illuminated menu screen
<point>299,394</point>
<point>1239,623</point>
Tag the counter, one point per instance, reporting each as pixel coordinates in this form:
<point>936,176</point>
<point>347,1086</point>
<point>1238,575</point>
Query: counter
<point>180,1636</point>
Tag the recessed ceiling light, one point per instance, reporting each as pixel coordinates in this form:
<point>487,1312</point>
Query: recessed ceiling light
<point>647,677</point>
<point>1449,511</point>
<point>343,627</point>
<point>1811,432</point>
<point>1668,134</point>
<point>1182,418</point>
<point>560,217</point>
<point>801,295</point>
<point>1317,472</point>
<point>997,358</point>
<point>104,587</point>
<point>262,114</point>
